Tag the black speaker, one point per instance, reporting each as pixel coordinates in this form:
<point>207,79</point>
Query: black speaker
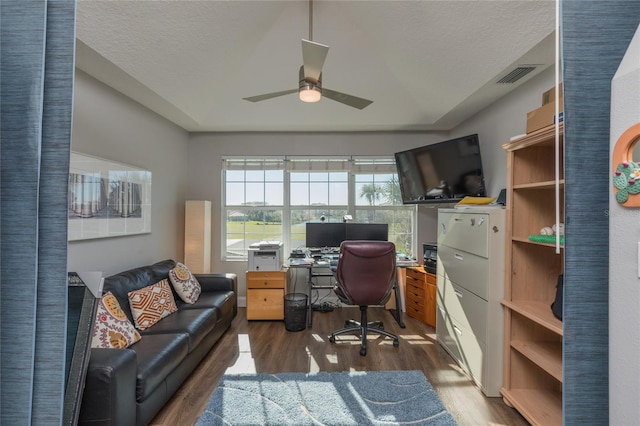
<point>430,257</point>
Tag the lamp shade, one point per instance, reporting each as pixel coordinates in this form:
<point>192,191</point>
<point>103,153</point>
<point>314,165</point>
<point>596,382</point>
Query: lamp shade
<point>310,94</point>
<point>197,236</point>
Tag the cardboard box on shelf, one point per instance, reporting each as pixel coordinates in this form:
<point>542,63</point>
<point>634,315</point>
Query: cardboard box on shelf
<point>543,116</point>
<point>550,95</point>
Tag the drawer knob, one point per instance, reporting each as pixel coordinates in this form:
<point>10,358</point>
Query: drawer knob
<point>265,299</point>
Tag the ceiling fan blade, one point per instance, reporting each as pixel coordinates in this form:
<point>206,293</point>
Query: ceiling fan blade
<point>352,101</point>
<point>269,95</point>
<point>313,56</point>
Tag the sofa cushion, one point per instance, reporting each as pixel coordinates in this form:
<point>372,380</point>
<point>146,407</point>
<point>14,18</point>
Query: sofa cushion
<point>158,355</point>
<point>196,323</point>
<point>184,283</point>
<point>152,303</point>
<point>134,279</point>
<point>212,299</point>
<point>112,328</point>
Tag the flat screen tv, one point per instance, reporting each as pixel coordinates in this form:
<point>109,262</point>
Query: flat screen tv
<point>321,235</point>
<point>367,231</point>
<point>443,172</point>
<point>331,235</point>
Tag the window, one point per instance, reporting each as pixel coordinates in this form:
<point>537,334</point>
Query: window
<point>253,204</point>
<point>273,199</point>
<point>378,200</point>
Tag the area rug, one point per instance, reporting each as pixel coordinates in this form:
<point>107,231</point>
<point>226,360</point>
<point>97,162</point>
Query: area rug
<point>344,398</point>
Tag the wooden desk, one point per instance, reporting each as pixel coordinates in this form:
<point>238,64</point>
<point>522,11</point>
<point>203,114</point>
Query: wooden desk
<point>394,308</point>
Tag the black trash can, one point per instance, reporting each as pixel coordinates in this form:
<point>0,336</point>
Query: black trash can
<point>295,311</point>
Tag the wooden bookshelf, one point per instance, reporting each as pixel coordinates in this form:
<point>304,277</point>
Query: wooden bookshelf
<point>533,335</point>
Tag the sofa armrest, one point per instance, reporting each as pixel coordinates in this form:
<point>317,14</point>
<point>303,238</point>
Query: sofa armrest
<point>220,282</point>
<point>109,396</point>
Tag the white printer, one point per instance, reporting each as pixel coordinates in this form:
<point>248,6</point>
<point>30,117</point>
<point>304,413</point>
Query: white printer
<point>265,256</point>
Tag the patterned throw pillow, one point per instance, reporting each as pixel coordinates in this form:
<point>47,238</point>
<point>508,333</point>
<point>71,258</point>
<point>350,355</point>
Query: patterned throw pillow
<point>152,303</point>
<point>112,328</point>
<point>184,283</point>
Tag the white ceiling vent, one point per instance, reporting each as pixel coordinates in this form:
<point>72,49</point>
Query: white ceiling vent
<point>517,74</point>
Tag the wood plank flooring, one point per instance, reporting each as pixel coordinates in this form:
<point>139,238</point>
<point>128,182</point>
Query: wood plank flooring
<point>266,347</point>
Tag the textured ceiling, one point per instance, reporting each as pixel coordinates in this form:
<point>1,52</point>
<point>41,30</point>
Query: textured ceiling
<point>427,65</point>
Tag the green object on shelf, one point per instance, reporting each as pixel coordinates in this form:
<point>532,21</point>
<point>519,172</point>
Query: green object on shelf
<point>551,239</point>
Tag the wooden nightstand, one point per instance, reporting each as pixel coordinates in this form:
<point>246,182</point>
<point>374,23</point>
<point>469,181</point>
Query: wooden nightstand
<point>420,295</point>
<point>265,295</point>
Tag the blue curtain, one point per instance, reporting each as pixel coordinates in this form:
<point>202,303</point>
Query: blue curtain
<point>37,47</point>
<point>595,36</point>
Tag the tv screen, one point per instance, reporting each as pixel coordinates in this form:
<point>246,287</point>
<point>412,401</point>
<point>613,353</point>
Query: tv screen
<point>446,171</point>
<point>367,231</point>
<point>319,235</point>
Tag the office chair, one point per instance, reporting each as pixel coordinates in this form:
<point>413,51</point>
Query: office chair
<point>365,275</point>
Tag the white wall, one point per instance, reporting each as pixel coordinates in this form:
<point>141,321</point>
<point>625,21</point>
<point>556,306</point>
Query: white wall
<point>495,125</point>
<point>109,125</point>
<point>499,122</point>
<point>624,235</point>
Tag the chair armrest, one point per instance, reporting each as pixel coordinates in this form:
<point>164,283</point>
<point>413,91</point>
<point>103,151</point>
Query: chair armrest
<point>109,396</point>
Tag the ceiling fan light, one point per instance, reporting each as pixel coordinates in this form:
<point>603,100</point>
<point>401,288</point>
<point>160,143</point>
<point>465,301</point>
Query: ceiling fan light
<point>309,94</point>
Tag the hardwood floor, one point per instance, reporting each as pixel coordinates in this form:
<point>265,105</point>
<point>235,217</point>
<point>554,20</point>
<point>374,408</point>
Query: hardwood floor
<point>266,347</point>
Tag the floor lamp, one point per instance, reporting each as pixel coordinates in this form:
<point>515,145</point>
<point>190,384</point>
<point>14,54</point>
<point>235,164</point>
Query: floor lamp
<point>197,236</point>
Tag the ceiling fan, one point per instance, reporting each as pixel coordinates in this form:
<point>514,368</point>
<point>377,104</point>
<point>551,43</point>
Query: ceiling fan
<point>310,82</point>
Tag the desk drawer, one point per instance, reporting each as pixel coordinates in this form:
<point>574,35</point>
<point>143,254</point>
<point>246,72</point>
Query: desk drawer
<point>467,309</point>
<point>411,288</point>
<point>416,312</point>
<point>468,231</point>
<point>465,269</point>
<point>416,274</point>
<point>468,351</point>
<point>265,304</point>
<point>415,300</point>
<point>266,279</point>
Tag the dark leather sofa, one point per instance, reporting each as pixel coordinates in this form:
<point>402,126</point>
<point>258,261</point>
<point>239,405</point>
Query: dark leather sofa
<point>130,386</point>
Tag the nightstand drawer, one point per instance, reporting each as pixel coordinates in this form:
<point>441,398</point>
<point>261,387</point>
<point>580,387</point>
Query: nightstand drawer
<point>265,304</point>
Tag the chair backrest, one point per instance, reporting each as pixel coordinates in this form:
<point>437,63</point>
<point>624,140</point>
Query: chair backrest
<point>366,271</point>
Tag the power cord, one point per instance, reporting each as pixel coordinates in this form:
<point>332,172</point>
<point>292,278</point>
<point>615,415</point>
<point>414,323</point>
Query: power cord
<point>322,307</point>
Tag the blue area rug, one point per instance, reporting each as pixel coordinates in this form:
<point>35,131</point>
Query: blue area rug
<point>355,398</point>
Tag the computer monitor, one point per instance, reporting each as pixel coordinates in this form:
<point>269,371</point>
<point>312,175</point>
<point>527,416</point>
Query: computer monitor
<point>367,231</point>
<point>319,235</point>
